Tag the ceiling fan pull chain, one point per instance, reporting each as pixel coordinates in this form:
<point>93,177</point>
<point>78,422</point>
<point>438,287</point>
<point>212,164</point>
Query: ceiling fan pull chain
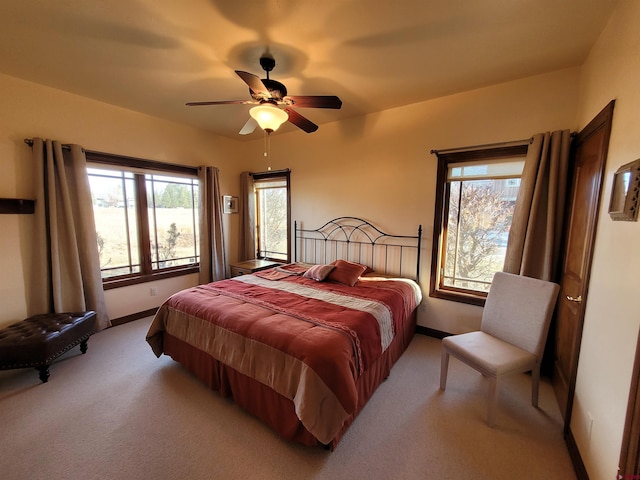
<point>267,143</point>
<point>267,147</point>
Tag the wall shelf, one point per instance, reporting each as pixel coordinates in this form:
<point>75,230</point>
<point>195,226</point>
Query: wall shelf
<point>17,205</point>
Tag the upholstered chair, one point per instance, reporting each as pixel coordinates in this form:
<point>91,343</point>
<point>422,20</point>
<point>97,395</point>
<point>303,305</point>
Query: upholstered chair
<point>512,334</point>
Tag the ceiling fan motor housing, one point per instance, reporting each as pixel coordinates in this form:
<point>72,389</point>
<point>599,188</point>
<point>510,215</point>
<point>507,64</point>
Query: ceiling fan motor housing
<point>277,90</point>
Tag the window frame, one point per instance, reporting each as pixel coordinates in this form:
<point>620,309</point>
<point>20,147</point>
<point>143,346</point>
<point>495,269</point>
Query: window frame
<point>273,175</point>
<point>441,212</point>
<point>147,274</point>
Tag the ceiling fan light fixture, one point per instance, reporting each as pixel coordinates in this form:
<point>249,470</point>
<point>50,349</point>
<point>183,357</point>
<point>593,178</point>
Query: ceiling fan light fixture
<point>268,116</point>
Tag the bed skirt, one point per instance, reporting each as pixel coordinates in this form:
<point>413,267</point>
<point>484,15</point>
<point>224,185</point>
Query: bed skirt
<point>273,409</point>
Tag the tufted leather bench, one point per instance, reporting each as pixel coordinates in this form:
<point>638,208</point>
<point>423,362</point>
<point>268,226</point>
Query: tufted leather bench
<point>39,340</point>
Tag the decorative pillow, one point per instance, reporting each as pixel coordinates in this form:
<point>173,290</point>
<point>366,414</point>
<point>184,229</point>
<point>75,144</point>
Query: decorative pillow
<point>346,272</point>
<point>319,272</point>
<point>367,268</point>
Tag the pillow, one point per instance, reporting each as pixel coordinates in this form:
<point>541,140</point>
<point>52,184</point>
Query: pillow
<point>367,268</point>
<point>319,272</point>
<point>346,272</point>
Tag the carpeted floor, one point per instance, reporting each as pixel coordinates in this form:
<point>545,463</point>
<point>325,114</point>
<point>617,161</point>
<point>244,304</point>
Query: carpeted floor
<point>119,412</point>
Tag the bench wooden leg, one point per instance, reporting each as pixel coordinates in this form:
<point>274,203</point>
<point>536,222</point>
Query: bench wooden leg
<point>43,373</point>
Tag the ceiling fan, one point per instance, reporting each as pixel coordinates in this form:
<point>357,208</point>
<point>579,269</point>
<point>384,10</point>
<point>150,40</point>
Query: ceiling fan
<point>268,96</point>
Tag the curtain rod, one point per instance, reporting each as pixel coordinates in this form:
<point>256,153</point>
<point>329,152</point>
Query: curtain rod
<point>513,143</point>
<point>271,172</point>
<point>110,158</point>
<point>29,141</point>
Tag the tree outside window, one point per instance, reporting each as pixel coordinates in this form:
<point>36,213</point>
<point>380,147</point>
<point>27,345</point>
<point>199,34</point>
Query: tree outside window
<point>477,233</point>
<point>476,192</point>
<point>147,222</point>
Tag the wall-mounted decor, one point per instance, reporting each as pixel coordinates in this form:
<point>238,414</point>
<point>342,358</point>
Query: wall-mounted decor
<point>16,205</point>
<point>229,204</point>
<point>625,192</point>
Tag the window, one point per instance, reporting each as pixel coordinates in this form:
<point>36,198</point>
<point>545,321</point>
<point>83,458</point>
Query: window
<point>476,193</point>
<point>147,218</point>
<point>272,215</point>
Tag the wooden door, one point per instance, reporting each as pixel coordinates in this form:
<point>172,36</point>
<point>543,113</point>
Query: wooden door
<point>589,159</point>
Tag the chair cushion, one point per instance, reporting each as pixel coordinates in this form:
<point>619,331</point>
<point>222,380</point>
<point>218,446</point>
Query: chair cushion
<point>489,355</point>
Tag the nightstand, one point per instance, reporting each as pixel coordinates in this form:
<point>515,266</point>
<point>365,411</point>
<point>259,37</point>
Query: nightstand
<point>251,266</point>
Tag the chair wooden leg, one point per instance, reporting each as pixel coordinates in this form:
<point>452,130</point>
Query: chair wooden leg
<point>493,401</point>
<point>444,367</point>
<point>535,385</point>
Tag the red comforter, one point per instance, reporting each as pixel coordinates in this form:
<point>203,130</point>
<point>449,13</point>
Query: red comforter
<point>309,341</point>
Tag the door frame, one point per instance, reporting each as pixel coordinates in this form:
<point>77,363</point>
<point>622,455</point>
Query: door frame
<point>629,465</point>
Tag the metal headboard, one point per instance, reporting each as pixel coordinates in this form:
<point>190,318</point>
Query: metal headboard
<point>356,240</point>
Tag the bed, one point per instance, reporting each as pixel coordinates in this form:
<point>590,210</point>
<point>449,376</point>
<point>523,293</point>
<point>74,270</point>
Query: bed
<point>302,346</point>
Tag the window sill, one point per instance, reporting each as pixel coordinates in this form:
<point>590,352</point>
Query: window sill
<point>109,284</point>
<point>461,297</point>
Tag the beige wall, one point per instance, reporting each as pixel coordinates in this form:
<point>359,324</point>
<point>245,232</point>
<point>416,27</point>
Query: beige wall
<point>612,71</point>
<point>30,110</point>
<point>379,167</point>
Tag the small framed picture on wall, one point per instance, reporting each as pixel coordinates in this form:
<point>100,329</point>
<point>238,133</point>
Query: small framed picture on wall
<point>229,204</point>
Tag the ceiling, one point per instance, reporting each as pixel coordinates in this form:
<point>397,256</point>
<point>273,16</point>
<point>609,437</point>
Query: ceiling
<point>152,56</point>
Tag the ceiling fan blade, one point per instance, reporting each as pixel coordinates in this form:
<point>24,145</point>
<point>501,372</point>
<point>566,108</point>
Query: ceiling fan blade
<point>249,127</point>
<point>255,84</point>
<point>300,121</point>
<point>315,101</point>
<point>221,102</point>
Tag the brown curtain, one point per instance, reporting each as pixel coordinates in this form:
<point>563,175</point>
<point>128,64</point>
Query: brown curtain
<point>535,238</point>
<point>65,273</point>
<point>213,262</point>
<point>247,211</point>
